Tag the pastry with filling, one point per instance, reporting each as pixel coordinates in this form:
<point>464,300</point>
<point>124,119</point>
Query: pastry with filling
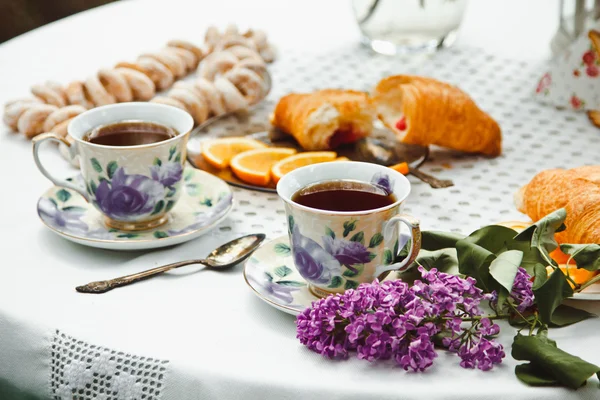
<point>325,119</point>
<point>425,111</point>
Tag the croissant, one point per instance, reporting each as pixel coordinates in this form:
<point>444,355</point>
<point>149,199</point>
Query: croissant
<point>425,111</point>
<point>577,190</point>
<point>325,119</point>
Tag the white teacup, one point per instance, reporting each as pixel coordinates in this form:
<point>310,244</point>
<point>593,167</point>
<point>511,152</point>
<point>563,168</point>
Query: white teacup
<point>134,187</point>
<point>338,250</point>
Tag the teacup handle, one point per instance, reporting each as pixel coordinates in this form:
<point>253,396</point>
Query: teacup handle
<point>37,141</point>
<point>415,242</point>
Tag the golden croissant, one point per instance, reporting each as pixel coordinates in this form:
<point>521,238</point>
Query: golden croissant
<point>577,190</point>
<point>425,111</point>
<point>325,119</point>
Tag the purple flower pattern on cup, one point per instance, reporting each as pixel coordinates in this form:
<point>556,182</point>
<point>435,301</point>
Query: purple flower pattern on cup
<point>127,196</point>
<point>383,181</point>
<point>312,261</point>
<point>272,290</point>
<point>347,252</point>
<point>168,174</point>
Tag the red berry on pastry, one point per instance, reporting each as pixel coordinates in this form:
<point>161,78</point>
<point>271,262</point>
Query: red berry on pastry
<point>401,124</point>
<point>589,57</point>
<point>592,71</point>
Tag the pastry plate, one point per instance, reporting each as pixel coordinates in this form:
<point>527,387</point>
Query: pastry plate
<point>204,203</point>
<point>381,148</point>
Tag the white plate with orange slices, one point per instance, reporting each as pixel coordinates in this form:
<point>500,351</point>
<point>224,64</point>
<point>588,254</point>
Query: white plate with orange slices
<point>258,160</point>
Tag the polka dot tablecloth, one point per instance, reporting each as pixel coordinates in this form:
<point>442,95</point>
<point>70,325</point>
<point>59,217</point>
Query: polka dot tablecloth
<point>535,137</point>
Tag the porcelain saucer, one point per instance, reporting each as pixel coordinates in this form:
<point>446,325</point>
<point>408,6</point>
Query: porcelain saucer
<point>203,204</point>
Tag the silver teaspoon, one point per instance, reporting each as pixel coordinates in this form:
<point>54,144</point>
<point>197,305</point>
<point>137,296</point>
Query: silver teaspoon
<point>224,256</point>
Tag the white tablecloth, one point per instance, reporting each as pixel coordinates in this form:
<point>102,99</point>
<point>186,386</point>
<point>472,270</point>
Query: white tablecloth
<point>195,334</point>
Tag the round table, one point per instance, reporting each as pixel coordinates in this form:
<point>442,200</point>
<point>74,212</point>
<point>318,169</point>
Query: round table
<point>201,334</point>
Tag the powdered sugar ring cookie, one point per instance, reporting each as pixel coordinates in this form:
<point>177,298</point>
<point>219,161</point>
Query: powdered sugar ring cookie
<point>76,95</point>
<point>189,59</point>
<point>227,42</point>
<point>171,61</point>
<point>244,53</point>
<point>231,30</point>
<point>194,105</point>
<point>268,54</point>
<point>232,97</point>
<point>258,67</point>
<point>61,129</point>
<point>61,115</point>
<point>142,87</point>
<point>115,84</point>
<point>31,122</point>
<point>169,101</point>
<point>96,92</point>
<point>216,63</point>
<point>182,44</point>
<point>259,38</point>
<point>48,95</point>
<point>212,37</point>
<point>211,95</point>
<point>14,109</point>
<point>162,76</point>
<point>248,82</point>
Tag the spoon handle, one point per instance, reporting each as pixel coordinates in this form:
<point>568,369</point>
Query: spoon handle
<point>434,182</point>
<point>105,286</point>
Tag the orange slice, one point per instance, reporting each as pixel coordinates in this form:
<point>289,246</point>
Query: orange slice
<point>401,167</point>
<point>579,275</point>
<point>288,164</point>
<point>254,166</point>
<point>219,152</point>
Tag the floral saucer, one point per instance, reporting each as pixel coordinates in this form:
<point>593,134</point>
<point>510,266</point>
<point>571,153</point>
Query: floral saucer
<point>205,201</point>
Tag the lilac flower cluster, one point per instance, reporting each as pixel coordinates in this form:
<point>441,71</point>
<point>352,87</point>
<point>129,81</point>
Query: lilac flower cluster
<point>391,320</point>
<point>522,292</point>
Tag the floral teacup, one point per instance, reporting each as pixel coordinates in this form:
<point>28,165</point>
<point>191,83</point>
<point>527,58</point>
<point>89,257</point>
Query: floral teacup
<point>338,250</point>
<point>134,187</point>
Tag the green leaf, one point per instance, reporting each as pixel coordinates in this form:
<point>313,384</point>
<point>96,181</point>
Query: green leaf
<point>169,206</point>
<point>586,256</point>
<point>358,237</point>
<point>74,208</point>
<point>282,271</point>
<point>551,294</point>
<point>282,249</point>
<point>53,201</point>
<point>111,168</point>
<point>96,165</point>
<point>372,256</point>
<point>349,226</point>
<point>376,240</point>
<point>541,233</point>
<point>103,179</point>
<point>492,237</point>
<point>436,240</point>
<point>474,260</point>
<point>540,276</point>
<point>63,195</point>
<point>172,151</point>
<point>290,223</point>
<point>188,174</point>
<point>157,161</point>
<point>351,274</point>
<point>128,235</point>
<point>171,192</point>
<point>548,363</point>
<point>336,282</point>
<point>565,315</point>
<point>388,257</point>
<point>397,245</point>
<point>193,189</point>
<point>504,268</point>
<point>158,207</point>
<point>350,284</point>
<point>329,232</point>
<point>531,255</point>
<point>178,157</point>
<point>160,234</point>
<point>93,187</point>
<point>207,202</point>
<point>291,283</point>
<point>444,260</point>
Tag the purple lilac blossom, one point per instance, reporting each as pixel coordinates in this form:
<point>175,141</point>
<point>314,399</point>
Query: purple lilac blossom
<point>313,262</point>
<point>272,290</point>
<point>392,320</point>
<point>168,174</point>
<point>128,195</point>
